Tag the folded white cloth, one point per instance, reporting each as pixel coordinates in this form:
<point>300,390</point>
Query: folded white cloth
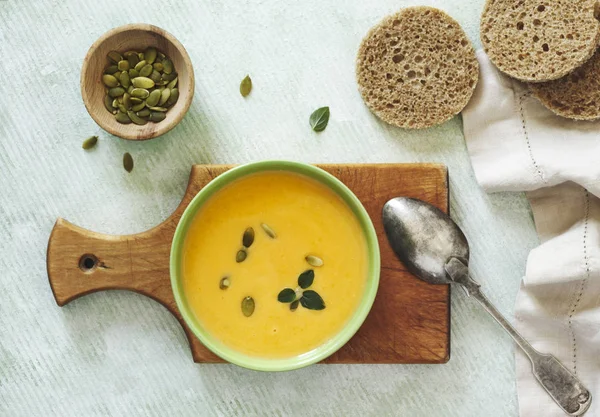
<point>518,145</point>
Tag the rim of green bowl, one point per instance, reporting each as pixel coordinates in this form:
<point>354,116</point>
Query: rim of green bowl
<point>336,341</point>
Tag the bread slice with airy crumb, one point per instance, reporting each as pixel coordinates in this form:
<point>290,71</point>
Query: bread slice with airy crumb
<point>539,40</point>
<point>577,95</point>
<point>416,68</point>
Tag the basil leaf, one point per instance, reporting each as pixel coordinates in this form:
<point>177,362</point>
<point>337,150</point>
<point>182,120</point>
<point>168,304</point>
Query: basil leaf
<point>287,295</point>
<point>312,301</point>
<point>294,305</point>
<point>319,119</point>
<point>306,279</point>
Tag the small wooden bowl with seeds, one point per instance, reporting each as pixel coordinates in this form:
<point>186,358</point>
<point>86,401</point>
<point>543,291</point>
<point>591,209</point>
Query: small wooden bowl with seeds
<point>110,67</point>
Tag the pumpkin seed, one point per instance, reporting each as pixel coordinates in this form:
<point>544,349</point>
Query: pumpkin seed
<point>114,57</point>
<point>144,113</point>
<point>123,65</point>
<point>150,55</point>
<point>122,108</point>
<point>161,56</point>
<point>146,70</point>
<point>115,103</point>
<point>173,98</point>
<point>130,89</point>
<point>127,100</point>
<point>159,109</point>
<point>294,305</point>
<point>133,73</point>
<point>153,98</point>
<point>135,100</point>
<point>164,96</point>
<point>155,76</point>
<point>248,237</point>
<point>125,80</point>
<point>123,118</point>
<point>138,67</point>
<point>169,76</point>
<point>139,106</point>
<point>128,162</point>
<point>135,118</point>
<point>139,92</point>
<point>90,142</point>
<point>132,58</point>
<point>241,256</point>
<point>167,66</point>
<point>157,116</point>
<point>314,260</point>
<point>270,232</point>
<point>116,92</point>
<point>224,283</point>
<point>111,69</point>
<point>246,86</point>
<point>110,80</point>
<point>142,82</point>
<point>108,103</point>
<point>158,66</point>
<point>172,84</point>
<point>248,306</point>
<point>141,56</point>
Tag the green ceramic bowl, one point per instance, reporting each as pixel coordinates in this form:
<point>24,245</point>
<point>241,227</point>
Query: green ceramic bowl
<point>337,340</point>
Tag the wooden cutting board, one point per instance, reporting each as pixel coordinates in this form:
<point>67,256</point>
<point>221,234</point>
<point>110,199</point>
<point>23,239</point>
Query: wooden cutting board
<point>409,322</point>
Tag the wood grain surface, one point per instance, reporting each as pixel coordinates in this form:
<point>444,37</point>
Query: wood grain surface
<point>409,321</point>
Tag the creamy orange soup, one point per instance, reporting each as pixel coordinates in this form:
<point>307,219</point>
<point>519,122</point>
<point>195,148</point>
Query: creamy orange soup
<point>308,219</point>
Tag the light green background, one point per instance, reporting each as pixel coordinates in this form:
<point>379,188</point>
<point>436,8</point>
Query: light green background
<point>122,354</point>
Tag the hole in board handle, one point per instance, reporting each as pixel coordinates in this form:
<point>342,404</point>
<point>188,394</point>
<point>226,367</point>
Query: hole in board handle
<point>88,262</point>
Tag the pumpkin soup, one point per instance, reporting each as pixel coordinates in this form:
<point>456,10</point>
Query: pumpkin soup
<point>274,264</point>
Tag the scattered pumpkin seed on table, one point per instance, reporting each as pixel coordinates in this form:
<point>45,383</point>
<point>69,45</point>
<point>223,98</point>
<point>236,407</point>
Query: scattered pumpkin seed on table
<point>140,86</point>
<point>246,86</point>
<point>128,162</point>
<point>90,142</point>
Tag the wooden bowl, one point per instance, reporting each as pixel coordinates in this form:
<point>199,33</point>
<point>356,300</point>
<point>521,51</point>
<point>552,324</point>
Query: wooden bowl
<point>137,37</point>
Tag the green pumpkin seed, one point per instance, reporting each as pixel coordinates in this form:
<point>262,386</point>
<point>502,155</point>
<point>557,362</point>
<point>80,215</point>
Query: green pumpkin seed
<point>314,260</point>
<point>90,142</point>
<point>241,256</point>
<point>115,103</point>
<point>110,80</point>
<point>270,232</point>
<point>248,237</point>
<point>133,73</point>
<point>146,70</point>
<point>116,92</point>
<point>158,66</point>
<point>125,80</point>
<point>161,56</point>
<point>139,92</point>
<point>158,109</point>
<point>127,100</point>
<point>156,116</point>
<point>144,113</point>
<point>123,65</point>
<point>224,283</point>
<point>173,98</point>
<point>150,55</point>
<point>155,76</point>
<point>246,86</point>
<point>127,162</point>
<point>111,69</point>
<point>142,82</point>
<point>164,96</point>
<point>114,57</point>
<point>172,84</point>
<point>248,306</point>
<point>138,67</point>
<point>122,108</point>
<point>135,100</point>
<point>169,77</point>
<point>141,56</point>
<point>108,103</point>
<point>123,118</point>
<point>135,118</point>
<point>132,58</point>
<point>130,89</point>
<point>139,106</point>
<point>167,66</point>
<point>162,83</point>
<point>153,98</point>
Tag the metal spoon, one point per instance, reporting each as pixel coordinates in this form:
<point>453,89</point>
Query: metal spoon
<point>434,248</point>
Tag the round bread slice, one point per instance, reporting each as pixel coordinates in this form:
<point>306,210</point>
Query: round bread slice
<point>416,68</point>
<point>539,40</point>
<point>577,95</point>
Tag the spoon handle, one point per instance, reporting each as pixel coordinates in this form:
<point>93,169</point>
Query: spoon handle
<point>564,387</point>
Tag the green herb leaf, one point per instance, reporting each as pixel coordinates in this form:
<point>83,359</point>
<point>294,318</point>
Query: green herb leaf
<point>246,86</point>
<point>287,295</point>
<point>306,279</point>
<point>312,301</point>
<point>319,119</point>
<point>294,305</point>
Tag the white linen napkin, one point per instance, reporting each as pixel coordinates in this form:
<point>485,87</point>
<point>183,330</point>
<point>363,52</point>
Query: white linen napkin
<point>516,144</point>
